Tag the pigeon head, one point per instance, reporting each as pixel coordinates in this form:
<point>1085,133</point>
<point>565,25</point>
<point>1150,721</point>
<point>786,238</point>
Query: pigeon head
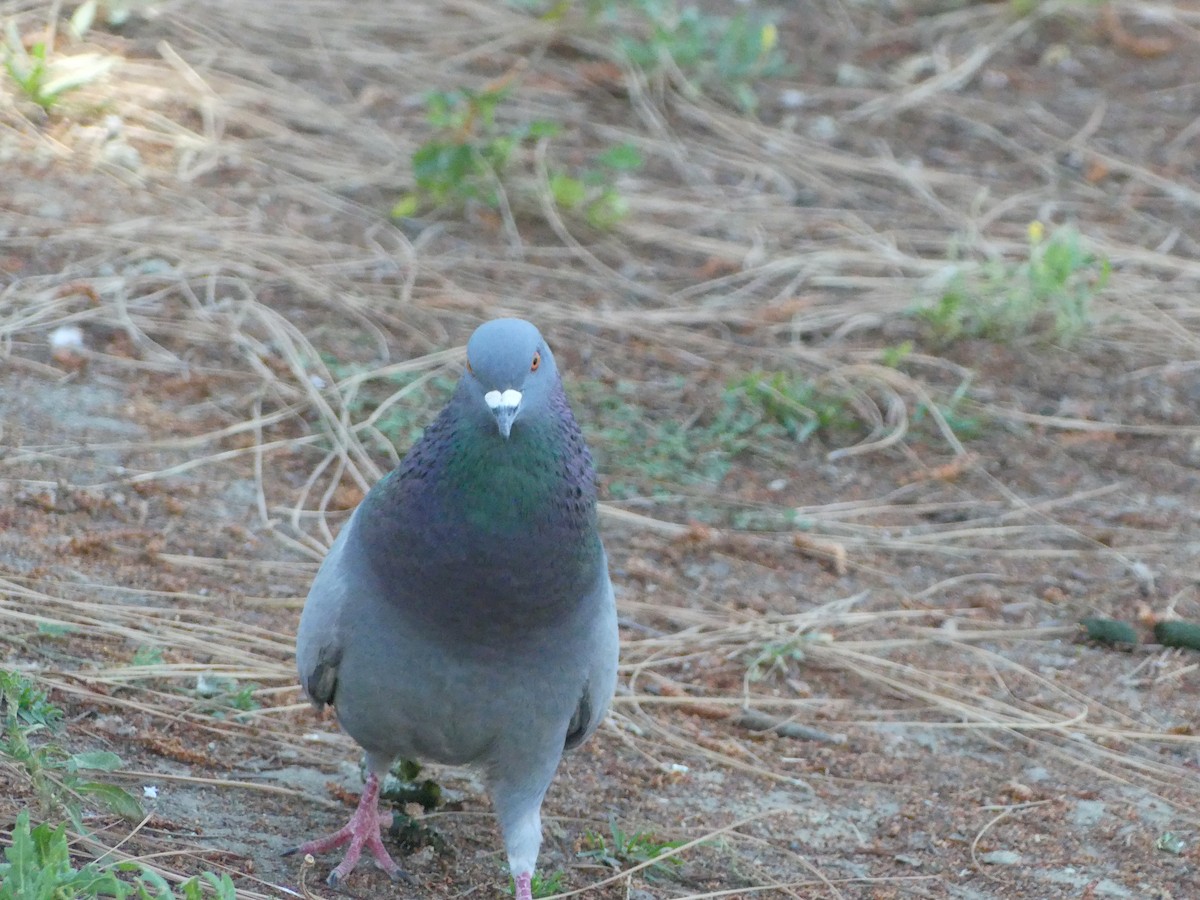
<point>510,374</point>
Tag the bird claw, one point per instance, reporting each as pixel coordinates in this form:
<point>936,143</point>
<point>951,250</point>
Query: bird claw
<point>398,876</point>
<point>360,833</point>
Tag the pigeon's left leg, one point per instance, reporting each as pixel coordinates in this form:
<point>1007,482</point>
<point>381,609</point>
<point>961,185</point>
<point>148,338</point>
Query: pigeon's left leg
<point>361,832</point>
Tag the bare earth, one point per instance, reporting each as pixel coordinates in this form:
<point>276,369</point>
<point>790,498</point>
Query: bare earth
<point>213,215</point>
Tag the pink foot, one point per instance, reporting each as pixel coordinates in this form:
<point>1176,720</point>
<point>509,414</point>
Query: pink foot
<point>524,884</point>
<point>362,831</point>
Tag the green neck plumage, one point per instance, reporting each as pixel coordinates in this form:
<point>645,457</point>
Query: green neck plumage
<point>505,486</point>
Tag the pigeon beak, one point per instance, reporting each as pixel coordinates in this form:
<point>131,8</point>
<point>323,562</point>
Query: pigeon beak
<point>504,407</point>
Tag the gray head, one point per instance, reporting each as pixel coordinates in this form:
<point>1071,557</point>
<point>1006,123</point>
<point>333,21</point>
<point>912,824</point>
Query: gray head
<point>510,372</point>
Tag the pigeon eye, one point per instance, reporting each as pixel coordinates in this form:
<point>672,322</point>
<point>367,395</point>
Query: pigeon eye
<point>469,369</point>
<point>537,361</point>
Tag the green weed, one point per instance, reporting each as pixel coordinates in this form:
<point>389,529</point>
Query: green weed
<point>764,414</point>
<point>631,848</point>
<point>544,884</point>
<point>38,866</point>
<point>720,55</point>
<point>466,158</point>
<point>470,153</point>
<point>147,656</point>
<point>42,80</point>
<point>964,425</point>
<point>1051,290</point>
<point>777,657</point>
<point>797,404</point>
<point>401,786</point>
<point>893,357</point>
<point>222,696</point>
<point>58,778</point>
<point>591,191</point>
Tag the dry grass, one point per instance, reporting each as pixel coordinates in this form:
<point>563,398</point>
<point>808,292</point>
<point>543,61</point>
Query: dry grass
<point>273,143</point>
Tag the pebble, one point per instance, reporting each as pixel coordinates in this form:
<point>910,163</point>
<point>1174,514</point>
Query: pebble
<point>1001,858</point>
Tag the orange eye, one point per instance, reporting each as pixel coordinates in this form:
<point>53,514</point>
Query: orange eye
<point>469,369</point>
<point>537,361</point>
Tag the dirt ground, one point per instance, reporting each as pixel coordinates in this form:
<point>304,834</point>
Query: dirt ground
<point>213,217</point>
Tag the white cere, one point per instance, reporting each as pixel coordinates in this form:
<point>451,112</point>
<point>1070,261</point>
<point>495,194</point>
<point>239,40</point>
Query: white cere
<point>509,398</point>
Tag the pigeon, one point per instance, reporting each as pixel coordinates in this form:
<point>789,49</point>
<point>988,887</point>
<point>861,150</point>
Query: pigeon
<point>464,615</point>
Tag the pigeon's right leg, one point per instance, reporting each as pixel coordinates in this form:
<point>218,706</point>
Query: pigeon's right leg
<point>518,802</point>
<point>362,831</point>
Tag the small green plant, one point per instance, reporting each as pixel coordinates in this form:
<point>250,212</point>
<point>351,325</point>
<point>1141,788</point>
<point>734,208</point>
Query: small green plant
<point>146,655</point>
<point>466,158</point>
<point>42,80</point>
<point>1050,290</point>
<point>58,778</point>
<point>763,414</point>
<point>721,55</point>
<point>797,404</point>
<point>964,425</point>
<point>893,357</point>
<point>591,191</point>
<point>25,706</point>
<point>401,786</point>
<point>224,695</point>
<point>38,866</point>
<point>775,658</point>
<point>544,884</point>
<point>631,848</point>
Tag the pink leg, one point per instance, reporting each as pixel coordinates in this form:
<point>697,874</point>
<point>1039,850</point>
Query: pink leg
<point>361,831</point>
<point>524,884</point>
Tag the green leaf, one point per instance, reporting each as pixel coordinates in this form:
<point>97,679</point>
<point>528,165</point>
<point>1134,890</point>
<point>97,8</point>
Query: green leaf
<point>623,158</point>
<point>158,885</point>
<point>116,799</point>
<point>222,885</point>
<point>607,210</point>
<point>95,760</point>
<point>542,128</point>
<point>568,192</point>
<point>406,207</point>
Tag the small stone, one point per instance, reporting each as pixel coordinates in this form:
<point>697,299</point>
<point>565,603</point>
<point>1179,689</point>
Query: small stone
<point>1001,858</point>
<point>121,154</point>
<point>67,346</point>
<point>823,128</point>
<point>792,98</point>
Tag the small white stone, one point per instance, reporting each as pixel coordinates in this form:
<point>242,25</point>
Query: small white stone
<point>823,128</point>
<point>150,792</point>
<point>66,338</point>
<point>792,98</point>
<point>118,153</point>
